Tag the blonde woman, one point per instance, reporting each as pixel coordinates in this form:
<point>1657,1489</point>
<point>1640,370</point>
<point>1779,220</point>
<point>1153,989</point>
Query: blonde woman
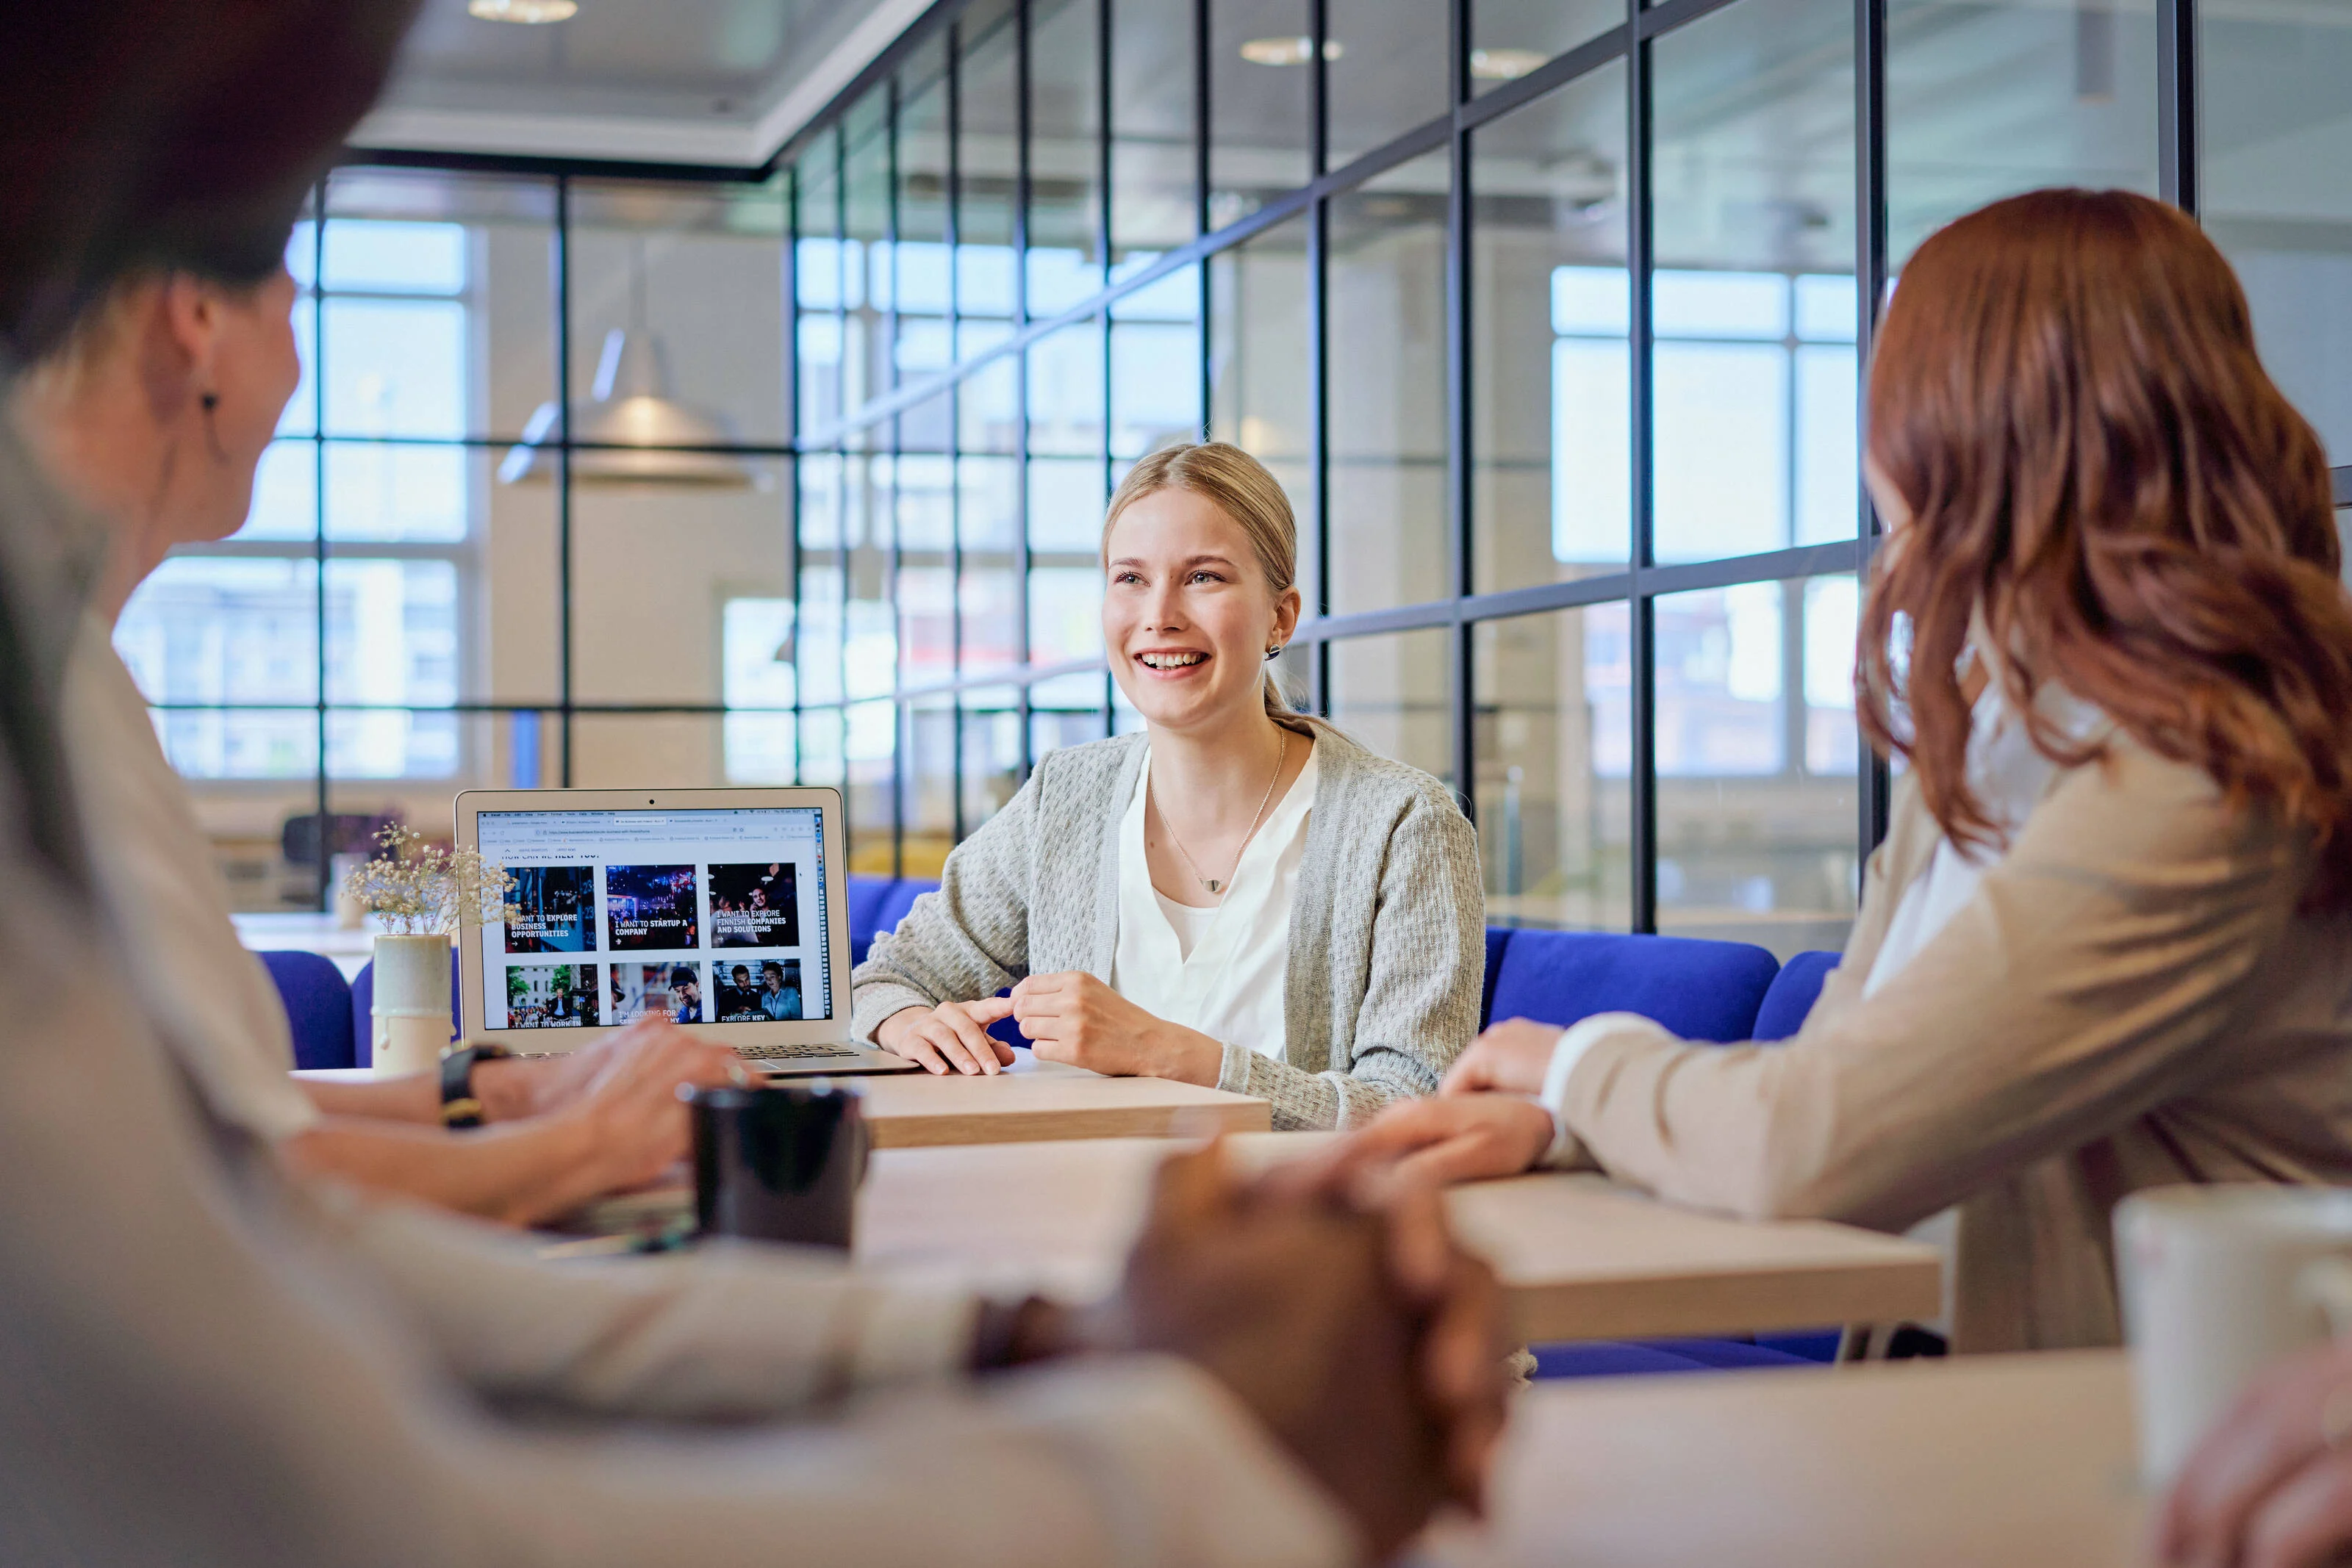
<point>1240,896</point>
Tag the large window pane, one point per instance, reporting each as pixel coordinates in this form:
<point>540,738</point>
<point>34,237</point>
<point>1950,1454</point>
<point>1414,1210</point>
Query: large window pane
<point>1385,72</point>
<point>914,277</point>
<point>676,295</point>
<point>2277,137</point>
<point>1387,357</point>
<point>652,565</point>
<point>1554,826</point>
<point>926,593</point>
<point>1757,763</point>
<point>989,595</point>
<point>1065,195</point>
<point>1258,146</point>
<point>438,303</point>
<point>1509,38</point>
<point>991,752</point>
<point>284,494</point>
<point>870,745</point>
<point>758,677</point>
<point>823,279</point>
<point>214,630</point>
<point>391,633</point>
<point>1551,308</point>
<point>1155,366</point>
<point>928,767</point>
<point>1989,98</point>
<point>866,347</point>
<point>870,658</point>
<point>1153,202</point>
<point>1258,365</point>
<point>1754,203</point>
<point>1395,694</point>
<point>987,192</point>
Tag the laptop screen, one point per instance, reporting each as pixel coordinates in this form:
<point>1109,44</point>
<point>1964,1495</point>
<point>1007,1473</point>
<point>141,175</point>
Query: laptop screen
<point>710,917</point>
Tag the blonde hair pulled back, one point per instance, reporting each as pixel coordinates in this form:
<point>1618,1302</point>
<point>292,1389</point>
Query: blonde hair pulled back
<point>1239,486</point>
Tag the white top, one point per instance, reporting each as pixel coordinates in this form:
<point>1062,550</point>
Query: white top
<point>1190,925</point>
<point>2009,776</point>
<point>219,1011</point>
<point>1219,970</point>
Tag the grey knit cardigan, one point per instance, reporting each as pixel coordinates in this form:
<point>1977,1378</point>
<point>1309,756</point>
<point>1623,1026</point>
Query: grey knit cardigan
<point>1388,945</point>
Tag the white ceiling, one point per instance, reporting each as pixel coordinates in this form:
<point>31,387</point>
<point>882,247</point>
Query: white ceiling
<point>698,82</point>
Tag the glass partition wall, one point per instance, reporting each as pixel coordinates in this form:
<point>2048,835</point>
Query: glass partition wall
<point>1549,318</point>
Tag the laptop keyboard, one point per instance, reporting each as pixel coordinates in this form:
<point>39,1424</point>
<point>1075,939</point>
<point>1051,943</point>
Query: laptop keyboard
<point>791,1053</point>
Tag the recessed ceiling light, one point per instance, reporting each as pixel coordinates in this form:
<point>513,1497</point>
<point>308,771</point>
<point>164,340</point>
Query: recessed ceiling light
<point>522,10</point>
<point>1295,51</point>
<point>1503,65</point>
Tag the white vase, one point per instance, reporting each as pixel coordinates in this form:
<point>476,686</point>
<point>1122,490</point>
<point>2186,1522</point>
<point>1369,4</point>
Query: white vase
<point>412,1025</point>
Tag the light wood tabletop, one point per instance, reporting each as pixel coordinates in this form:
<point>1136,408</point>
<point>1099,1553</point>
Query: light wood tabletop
<point>2018,1461</point>
<point>1580,1258</point>
<point>1029,1100</point>
<point>1034,1099</point>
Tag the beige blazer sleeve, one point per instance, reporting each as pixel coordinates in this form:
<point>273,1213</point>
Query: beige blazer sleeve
<point>2084,983</point>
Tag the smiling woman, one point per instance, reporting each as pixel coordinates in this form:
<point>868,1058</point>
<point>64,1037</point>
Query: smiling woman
<point>1241,896</point>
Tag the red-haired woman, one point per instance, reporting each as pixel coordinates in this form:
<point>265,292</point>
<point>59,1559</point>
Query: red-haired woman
<point>2106,943</point>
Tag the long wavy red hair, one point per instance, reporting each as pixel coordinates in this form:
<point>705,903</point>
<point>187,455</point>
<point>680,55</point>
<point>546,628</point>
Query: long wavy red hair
<point>2104,484</point>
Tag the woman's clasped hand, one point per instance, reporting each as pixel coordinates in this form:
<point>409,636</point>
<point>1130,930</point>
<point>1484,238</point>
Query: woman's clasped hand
<point>1075,1018</point>
<point>1070,1018</point>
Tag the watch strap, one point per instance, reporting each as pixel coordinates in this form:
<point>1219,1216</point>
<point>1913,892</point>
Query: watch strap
<point>458,1106</point>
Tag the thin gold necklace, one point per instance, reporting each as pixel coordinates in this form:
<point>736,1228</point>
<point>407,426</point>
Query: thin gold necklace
<point>1281,757</point>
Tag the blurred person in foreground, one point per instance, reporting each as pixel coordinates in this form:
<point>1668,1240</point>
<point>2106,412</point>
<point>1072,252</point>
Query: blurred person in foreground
<point>2271,1486</point>
<point>2103,946</point>
<point>208,1364</point>
<point>152,410</point>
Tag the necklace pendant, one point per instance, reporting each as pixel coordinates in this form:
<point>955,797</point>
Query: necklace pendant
<point>1213,887</point>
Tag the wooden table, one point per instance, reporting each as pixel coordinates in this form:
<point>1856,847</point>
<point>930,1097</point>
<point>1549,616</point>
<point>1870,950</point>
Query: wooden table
<point>2017,1461</point>
<point>1580,1258</point>
<point>1029,1100</point>
<point>1033,1100</point>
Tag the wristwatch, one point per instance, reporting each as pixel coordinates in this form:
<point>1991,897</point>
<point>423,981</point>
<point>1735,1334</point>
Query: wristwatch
<point>458,1106</point>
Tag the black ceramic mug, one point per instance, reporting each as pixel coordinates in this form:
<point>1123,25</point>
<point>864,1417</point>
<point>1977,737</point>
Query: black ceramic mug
<point>780,1163</point>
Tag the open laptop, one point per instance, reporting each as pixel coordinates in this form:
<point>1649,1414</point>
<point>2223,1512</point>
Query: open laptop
<point>724,909</point>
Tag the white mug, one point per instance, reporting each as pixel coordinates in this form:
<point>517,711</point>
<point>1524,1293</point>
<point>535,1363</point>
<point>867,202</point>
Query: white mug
<point>2218,1283</point>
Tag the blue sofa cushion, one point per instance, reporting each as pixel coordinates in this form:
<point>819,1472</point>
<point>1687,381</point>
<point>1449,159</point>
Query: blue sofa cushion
<point>363,1006</point>
<point>318,1006</point>
<point>1701,990</point>
<point>898,900</point>
<point>1623,1358</point>
<point>866,894</point>
<point>1794,990</point>
<point>1499,938</point>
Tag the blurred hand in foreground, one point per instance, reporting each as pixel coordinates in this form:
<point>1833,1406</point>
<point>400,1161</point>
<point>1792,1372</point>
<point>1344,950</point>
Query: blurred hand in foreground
<point>1331,1298</point>
<point>2271,1486</point>
<point>628,1110</point>
<point>515,1087</point>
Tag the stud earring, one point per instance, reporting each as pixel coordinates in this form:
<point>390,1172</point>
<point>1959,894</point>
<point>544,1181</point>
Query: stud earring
<point>211,401</point>
<point>1274,652</point>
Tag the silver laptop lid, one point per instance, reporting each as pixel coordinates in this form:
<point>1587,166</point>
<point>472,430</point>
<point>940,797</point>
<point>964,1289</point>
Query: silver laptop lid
<point>723,908</point>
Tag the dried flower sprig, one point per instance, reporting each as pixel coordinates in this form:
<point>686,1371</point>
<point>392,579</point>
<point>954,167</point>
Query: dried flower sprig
<point>422,890</point>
